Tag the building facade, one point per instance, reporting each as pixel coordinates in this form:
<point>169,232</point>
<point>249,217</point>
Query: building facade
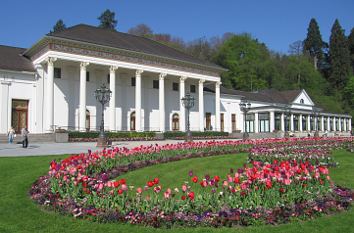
<point>51,85</point>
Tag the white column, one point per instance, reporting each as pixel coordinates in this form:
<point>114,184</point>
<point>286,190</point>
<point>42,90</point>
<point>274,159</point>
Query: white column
<point>82,105</point>
<point>350,124</point>
<point>256,125</point>
<point>217,106</point>
<point>50,94</point>
<point>300,122</point>
<point>344,124</point>
<point>182,110</point>
<point>271,121</point>
<point>329,124</point>
<point>322,123</point>
<point>112,102</point>
<point>308,122</point>
<point>162,101</point>
<point>138,100</point>
<point>282,123</point>
<point>339,124</point>
<point>292,122</point>
<point>201,105</point>
<point>334,124</point>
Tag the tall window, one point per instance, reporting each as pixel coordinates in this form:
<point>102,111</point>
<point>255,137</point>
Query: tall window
<point>263,119</point>
<point>337,124</point>
<point>175,86</point>
<point>233,122</point>
<point>250,123</point>
<point>132,121</point>
<point>341,124</point>
<point>175,122</point>
<point>296,122</point>
<point>155,84</point>
<point>318,122</point>
<point>192,88</point>
<point>331,124</point>
<point>222,122</point>
<point>87,76</point>
<point>312,123</point>
<point>57,72</point>
<point>208,121</point>
<point>277,123</point>
<point>87,122</point>
<point>325,123</point>
<point>287,122</point>
<point>132,81</point>
<point>304,123</point>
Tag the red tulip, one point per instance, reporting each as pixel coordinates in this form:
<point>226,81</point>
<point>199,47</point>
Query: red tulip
<point>120,192</point>
<point>183,197</point>
<point>191,196</point>
<point>150,183</point>
<point>195,179</point>
<point>156,180</point>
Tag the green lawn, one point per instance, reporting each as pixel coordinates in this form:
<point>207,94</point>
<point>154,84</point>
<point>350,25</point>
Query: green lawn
<point>19,214</point>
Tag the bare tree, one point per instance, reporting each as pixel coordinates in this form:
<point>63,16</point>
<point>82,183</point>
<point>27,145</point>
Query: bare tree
<point>140,30</point>
<point>296,48</point>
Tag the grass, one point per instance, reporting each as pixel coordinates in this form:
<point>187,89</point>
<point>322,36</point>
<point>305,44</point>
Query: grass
<point>19,214</point>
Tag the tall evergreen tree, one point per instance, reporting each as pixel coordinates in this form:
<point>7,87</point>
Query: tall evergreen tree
<point>339,56</point>
<point>107,20</point>
<point>351,48</point>
<point>59,26</point>
<point>313,43</point>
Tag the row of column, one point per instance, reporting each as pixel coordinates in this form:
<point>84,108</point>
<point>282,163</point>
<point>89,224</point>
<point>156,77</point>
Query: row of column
<point>138,97</point>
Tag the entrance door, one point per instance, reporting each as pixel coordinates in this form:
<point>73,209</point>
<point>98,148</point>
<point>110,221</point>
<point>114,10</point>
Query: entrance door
<point>233,122</point>
<point>19,115</point>
<point>208,121</point>
<point>222,122</point>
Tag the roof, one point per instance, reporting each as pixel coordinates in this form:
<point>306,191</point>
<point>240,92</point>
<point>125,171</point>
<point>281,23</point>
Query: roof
<point>115,39</point>
<point>11,59</point>
<point>269,95</point>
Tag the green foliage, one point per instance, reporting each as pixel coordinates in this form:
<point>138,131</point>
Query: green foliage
<point>313,44</point>
<point>351,48</point>
<point>339,57</point>
<point>348,93</point>
<point>206,134</point>
<point>107,20</point>
<point>128,134</point>
<point>59,26</point>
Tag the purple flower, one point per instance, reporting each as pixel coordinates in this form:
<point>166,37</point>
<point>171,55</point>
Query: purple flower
<point>190,173</point>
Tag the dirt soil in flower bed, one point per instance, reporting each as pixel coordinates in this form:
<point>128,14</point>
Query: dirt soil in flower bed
<point>339,199</point>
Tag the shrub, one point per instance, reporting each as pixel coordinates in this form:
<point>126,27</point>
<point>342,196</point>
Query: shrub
<point>197,134</point>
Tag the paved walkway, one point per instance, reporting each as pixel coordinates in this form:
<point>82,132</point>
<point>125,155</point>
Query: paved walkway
<point>35,149</point>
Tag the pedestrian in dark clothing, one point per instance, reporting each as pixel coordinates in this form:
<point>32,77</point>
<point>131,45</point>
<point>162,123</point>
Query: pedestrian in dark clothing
<point>24,134</point>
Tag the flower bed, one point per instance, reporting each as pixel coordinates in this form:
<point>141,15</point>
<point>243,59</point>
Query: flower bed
<point>75,136</point>
<point>273,192</point>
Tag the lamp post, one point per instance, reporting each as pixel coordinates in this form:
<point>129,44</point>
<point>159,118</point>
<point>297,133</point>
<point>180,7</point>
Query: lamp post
<point>103,95</point>
<point>188,103</point>
<point>316,114</point>
<point>245,106</point>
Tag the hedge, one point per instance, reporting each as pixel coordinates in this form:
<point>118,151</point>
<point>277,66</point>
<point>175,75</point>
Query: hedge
<point>132,134</point>
<point>179,134</point>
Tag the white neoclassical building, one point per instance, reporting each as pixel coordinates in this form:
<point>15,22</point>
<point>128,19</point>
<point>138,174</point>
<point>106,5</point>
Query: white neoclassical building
<point>52,84</point>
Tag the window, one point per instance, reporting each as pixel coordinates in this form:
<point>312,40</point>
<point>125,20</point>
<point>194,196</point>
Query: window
<point>132,121</point>
<point>222,122</point>
<point>304,123</point>
<point>108,79</point>
<point>302,101</point>
<point>175,86</point>
<point>331,124</point>
<point>175,122</point>
<point>263,119</point>
<point>250,123</point>
<point>192,88</point>
<point>337,124</point>
<point>87,122</point>
<point>325,124</point>
<point>132,81</point>
<point>208,121</point>
<point>155,84</point>
<point>341,125</point>
<point>87,76</point>
<point>57,72</point>
<point>296,122</point>
<point>277,123</point>
<point>287,122</point>
<point>312,123</point>
<point>233,122</point>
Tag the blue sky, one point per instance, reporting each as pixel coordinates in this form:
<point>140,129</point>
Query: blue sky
<point>277,23</point>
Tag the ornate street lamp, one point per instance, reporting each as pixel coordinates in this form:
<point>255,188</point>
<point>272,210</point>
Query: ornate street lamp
<point>316,114</point>
<point>103,95</point>
<point>245,106</point>
<point>188,103</point>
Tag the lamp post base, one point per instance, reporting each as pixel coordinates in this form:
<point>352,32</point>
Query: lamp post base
<point>286,134</point>
<point>316,134</point>
<point>245,136</point>
<point>189,137</point>
<point>102,142</point>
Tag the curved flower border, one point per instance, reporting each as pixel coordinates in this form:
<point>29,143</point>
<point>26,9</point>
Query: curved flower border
<point>93,171</point>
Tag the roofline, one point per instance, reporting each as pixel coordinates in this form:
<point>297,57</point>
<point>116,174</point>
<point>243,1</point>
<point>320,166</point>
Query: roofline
<point>18,71</point>
<point>47,38</point>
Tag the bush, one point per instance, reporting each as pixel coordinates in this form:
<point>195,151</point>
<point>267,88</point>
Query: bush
<point>122,134</point>
<point>207,134</point>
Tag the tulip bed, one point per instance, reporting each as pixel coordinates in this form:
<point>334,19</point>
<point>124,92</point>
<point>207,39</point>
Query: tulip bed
<point>284,179</point>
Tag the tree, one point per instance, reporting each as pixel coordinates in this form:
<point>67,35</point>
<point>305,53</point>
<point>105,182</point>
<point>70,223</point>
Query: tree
<point>59,26</point>
<point>351,48</point>
<point>107,20</point>
<point>140,30</point>
<point>339,56</point>
<point>313,43</point>
<point>296,48</point>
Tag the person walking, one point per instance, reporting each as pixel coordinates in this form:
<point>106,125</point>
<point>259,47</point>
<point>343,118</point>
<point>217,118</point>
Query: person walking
<point>11,135</point>
<point>24,133</point>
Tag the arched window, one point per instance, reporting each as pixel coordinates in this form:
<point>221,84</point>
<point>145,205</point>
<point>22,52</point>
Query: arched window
<point>132,121</point>
<point>87,122</point>
<point>175,122</point>
<point>302,101</point>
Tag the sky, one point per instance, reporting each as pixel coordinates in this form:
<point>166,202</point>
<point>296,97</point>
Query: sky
<point>277,23</point>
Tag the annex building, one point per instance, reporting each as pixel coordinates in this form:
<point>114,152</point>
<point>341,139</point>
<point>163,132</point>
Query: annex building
<point>51,85</point>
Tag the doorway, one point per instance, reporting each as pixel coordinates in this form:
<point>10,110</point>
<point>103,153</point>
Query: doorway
<point>19,117</point>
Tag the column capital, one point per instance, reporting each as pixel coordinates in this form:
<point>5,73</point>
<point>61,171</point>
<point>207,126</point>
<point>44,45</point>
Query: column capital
<point>218,83</point>
<point>51,60</point>
<point>182,78</point>
<point>113,68</point>
<point>162,76</point>
<point>138,72</point>
<point>201,81</point>
<point>84,65</point>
